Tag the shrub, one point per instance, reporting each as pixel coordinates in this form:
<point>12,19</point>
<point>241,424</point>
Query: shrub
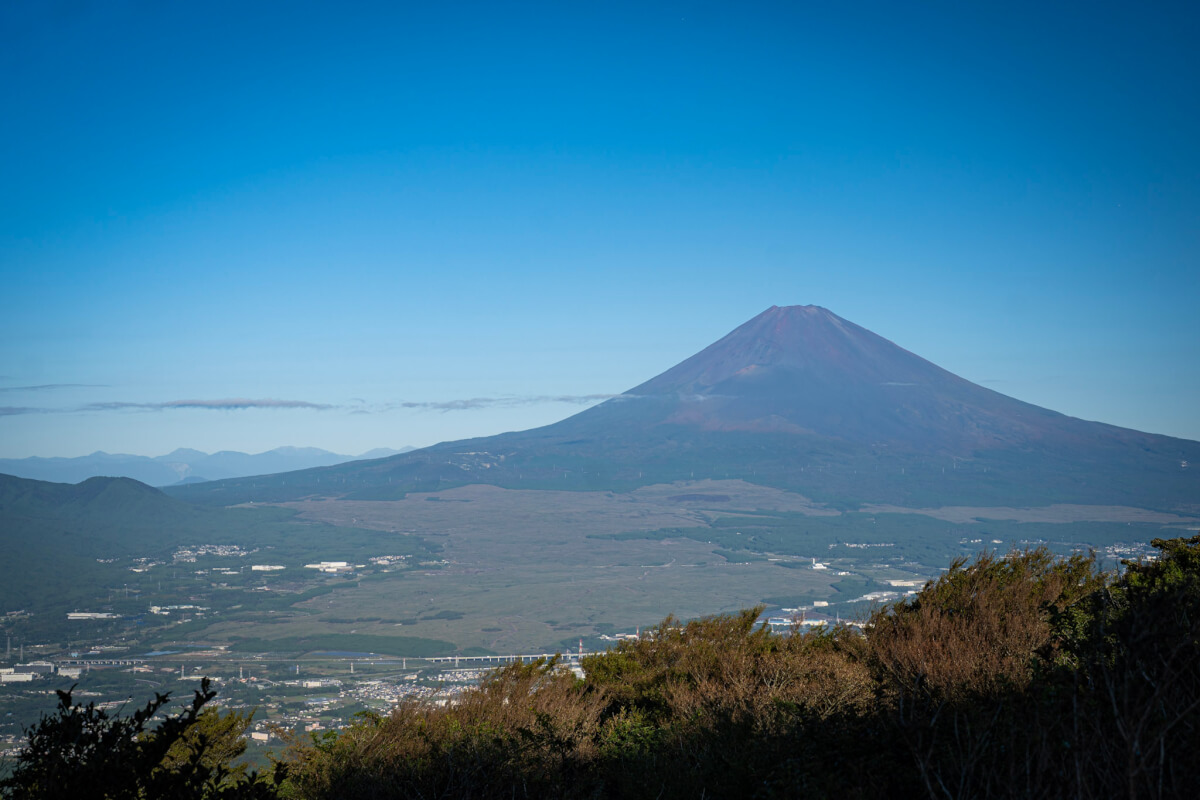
<point>977,629</point>
<point>81,752</point>
<point>1128,670</point>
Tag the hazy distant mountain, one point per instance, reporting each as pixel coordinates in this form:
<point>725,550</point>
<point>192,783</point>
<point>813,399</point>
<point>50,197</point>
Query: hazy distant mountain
<point>179,466</point>
<point>801,399</point>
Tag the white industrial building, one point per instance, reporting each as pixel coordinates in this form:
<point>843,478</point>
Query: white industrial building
<point>331,566</point>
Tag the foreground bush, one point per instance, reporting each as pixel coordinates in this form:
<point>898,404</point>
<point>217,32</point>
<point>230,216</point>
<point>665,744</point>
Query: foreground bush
<point>710,706</point>
<point>1128,662</point>
<point>81,752</point>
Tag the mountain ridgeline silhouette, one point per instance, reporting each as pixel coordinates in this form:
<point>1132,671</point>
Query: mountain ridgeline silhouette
<point>182,465</point>
<point>800,399</point>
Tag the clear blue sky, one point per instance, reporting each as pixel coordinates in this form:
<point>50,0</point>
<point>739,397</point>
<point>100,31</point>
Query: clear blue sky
<point>474,208</point>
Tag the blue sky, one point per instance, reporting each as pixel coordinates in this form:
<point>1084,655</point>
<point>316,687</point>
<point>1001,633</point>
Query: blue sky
<point>358,225</point>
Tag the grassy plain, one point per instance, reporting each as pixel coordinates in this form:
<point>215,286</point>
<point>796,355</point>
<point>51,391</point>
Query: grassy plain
<point>523,570</point>
<point>486,569</point>
<point>535,570</point>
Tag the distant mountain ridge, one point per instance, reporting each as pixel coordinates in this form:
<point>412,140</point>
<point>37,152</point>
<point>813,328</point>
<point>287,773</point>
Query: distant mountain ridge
<point>800,399</point>
<point>182,465</point>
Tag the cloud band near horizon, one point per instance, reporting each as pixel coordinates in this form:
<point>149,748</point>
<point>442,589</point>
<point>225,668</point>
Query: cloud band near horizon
<point>45,387</point>
<point>243,404</point>
<point>497,402</point>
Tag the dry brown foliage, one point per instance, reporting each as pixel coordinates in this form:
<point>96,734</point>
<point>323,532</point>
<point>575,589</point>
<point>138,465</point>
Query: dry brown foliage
<point>976,629</point>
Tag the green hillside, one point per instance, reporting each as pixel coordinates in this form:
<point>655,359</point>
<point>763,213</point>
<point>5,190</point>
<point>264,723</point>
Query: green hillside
<point>75,546</point>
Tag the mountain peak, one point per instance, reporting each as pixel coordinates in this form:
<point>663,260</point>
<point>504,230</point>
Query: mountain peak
<point>796,310</point>
<point>182,454</point>
<point>805,370</point>
<point>791,321</point>
<point>811,344</point>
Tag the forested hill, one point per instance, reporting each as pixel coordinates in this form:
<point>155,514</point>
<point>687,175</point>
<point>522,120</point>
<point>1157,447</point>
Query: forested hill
<point>112,511</point>
<point>66,545</point>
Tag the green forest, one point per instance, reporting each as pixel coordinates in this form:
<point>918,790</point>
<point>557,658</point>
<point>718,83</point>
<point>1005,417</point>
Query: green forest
<point>1019,675</point>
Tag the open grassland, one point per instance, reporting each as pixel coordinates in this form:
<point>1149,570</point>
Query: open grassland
<point>518,595</point>
<point>536,570</point>
<point>483,569</point>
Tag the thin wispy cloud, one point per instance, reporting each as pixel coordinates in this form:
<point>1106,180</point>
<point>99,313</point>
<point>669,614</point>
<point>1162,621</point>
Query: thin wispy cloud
<point>357,406</point>
<point>51,386</point>
<point>16,411</point>
<point>231,404</point>
<point>476,403</point>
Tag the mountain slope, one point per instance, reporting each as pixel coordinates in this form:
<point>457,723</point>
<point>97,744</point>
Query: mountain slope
<point>801,399</point>
<point>805,370</point>
<point>98,517</point>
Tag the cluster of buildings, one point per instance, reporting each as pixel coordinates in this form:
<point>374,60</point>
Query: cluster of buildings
<point>26,673</point>
<point>387,561</point>
<point>321,712</point>
<point>164,611</point>
<point>186,554</point>
<point>1131,551</point>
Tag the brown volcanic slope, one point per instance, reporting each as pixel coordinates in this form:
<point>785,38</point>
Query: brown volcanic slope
<point>801,399</point>
<point>805,370</point>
